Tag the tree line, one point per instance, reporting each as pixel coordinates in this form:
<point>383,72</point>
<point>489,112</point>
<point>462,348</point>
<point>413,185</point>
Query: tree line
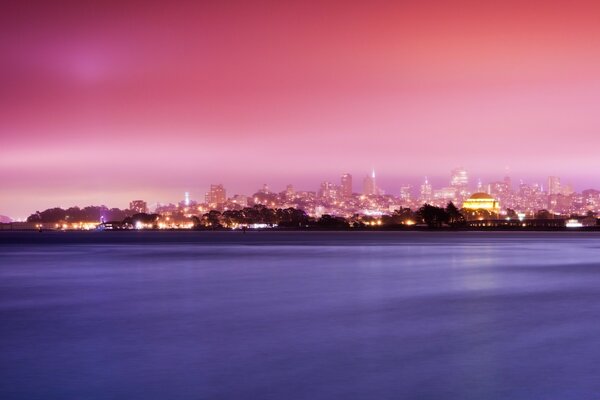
<point>76,214</point>
<point>432,216</point>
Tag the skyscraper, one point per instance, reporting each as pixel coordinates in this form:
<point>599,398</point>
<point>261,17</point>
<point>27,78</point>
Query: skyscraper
<point>426,192</point>
<point>508,182</point>
<point>346,185</point>
<point>327,191</point>
<point>216,197</point>
<point>459,178</point>
<point>289,192</point>
<point>459,181</point>
<point>370,185</point>
<point>405,193</point>
<point>553,185</point>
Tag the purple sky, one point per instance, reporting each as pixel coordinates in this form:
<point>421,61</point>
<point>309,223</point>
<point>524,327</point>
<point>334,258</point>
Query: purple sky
<point>102,104</point>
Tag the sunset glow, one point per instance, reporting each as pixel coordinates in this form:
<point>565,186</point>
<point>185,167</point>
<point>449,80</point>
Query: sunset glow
<point>105,103</point>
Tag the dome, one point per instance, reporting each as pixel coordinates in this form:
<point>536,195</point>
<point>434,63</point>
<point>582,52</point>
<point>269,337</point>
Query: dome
<point>481,201</point>
<point>481,196</point>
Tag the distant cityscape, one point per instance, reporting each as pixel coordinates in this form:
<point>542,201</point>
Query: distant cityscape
<point>497,200</point>
<point>340,199</point>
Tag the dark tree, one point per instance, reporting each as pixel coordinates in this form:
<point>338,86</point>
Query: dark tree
<point>212,219</point>
<point>330,222</point>
<point>76,214</point>
<point>512,214</point>
<point>543,214</point>
<point>455,217</point>
<point>292,218</point>
<point>433,216</point>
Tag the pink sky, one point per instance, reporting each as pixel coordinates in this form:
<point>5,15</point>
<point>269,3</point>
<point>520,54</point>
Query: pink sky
<point>101,104</point>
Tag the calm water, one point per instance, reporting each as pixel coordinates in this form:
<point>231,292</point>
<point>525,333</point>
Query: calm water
<point>388,315</point>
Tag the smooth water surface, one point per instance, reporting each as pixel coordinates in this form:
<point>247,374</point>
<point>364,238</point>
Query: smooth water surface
<point>299,315</point>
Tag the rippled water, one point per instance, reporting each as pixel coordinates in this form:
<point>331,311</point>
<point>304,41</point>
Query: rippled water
<point>222,315</point>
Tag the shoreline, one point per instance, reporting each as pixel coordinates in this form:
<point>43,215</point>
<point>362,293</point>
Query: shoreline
<point>379,229</point>
<point>16,239</point>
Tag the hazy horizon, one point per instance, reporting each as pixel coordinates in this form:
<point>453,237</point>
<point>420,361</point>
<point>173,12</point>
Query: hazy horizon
<point>174,193</point>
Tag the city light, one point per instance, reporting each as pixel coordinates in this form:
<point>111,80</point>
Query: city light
<point>501,204</point>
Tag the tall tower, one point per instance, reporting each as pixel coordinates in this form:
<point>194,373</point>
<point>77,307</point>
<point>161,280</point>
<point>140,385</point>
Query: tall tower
<point>426,192</point>
<point>369,185</point>
<point>216,196</point>
<point>346,185</point>
<point>405,193</point>
<point>459,178</point>
<point>290,193</point>
<point>553,185</point>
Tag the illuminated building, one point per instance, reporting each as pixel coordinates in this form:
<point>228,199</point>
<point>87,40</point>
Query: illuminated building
<point>319,211</point>
<point>426,192</point>
<point>240,200</point>
<point>498,189</point>
<point>328,191</point>
<point>508,183</point>
<point>290,193</point>
<point>566,190</point>
<point>346,186</point>
<point>560,204</point>
<point>405,193</point>
<point>138,206</point>
<point>459,178</point>
<point>216,196</point>
<point>370,185</point>
<point>553,185</point>
<point>459,181</point>
<point>444,195</point>
<point>590,199</point>
<point>265,197</point>
<point>482,201</point>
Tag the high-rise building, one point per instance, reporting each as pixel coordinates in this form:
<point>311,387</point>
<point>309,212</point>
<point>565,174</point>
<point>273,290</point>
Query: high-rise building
<point>289,193</point>
<point>426,192</point>
<point>216,197</point>
<point>240,200</point>
<point>370,185</point>
<point>508,183</point>
<point>553,185</point>
<point>445,195</point>
<point>327,191</point>
<point>346,185</point>
<point>497,189</point>
<point>459,178</point>
<point>405,193</point>
<point>138,206</point>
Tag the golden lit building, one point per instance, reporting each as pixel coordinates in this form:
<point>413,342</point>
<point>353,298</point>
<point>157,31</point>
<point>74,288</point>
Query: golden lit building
<point>482,201</point>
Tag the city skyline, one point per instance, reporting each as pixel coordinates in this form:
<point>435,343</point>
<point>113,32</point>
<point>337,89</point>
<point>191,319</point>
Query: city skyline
<point>174,192</point>
<point>458,185</point>
<point>114,101</point>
